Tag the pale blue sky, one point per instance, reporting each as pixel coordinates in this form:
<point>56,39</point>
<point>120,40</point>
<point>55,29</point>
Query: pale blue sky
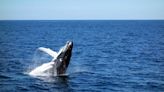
<point>81,9</point>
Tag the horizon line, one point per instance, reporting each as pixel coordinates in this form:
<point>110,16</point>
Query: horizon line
<point>69,19</point>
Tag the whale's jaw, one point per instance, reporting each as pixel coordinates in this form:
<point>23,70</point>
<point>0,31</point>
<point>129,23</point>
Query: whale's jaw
<point>63,58</point>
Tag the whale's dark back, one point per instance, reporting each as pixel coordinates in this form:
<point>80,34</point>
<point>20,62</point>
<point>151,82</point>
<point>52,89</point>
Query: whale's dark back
<point>63,60</point>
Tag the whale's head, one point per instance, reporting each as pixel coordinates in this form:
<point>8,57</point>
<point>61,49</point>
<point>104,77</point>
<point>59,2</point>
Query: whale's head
<point>64,57</point>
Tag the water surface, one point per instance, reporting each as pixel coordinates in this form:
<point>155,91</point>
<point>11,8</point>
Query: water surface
<point>111,56</point>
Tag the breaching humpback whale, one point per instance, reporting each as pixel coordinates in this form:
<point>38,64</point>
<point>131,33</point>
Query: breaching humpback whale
<point>58,64</point>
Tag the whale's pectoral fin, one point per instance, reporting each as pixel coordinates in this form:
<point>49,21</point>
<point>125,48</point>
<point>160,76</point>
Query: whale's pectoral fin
<point>48,51</point>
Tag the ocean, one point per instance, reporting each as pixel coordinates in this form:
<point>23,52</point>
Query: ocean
<point>108,55</point>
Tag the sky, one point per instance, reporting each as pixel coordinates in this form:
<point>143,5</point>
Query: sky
<point>81,9</point>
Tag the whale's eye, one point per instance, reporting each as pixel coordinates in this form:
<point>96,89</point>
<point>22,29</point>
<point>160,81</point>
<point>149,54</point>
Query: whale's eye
<point>60,59</point>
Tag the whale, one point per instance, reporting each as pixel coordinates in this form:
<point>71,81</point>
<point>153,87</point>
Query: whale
<point>58,65</point>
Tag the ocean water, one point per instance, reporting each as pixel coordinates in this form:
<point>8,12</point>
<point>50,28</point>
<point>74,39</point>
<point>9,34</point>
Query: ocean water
<point>108,56</point>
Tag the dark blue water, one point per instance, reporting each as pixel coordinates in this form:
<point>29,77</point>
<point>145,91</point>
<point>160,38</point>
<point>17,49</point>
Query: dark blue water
<point>108,56</point>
